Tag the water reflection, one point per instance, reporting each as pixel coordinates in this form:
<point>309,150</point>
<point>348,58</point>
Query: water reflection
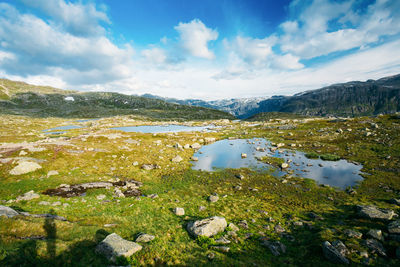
<point>227,154</point>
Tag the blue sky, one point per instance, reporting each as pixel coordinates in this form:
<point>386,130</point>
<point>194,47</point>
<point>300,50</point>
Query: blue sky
<point>198,49</point>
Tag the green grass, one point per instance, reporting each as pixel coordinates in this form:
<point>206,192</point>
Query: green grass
<point>179,186</point>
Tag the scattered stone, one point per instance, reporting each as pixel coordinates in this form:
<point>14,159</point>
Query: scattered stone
<point>150,166</point>
<point>209,140</point>
<point>213,198</point>
<point>8,212</point>
<point>276,247</point>
<point>394,227</point>
<point>244,224</point>
<point>101,197</point>
<point>284,165</point>
<point>57,203</point>
<point>28,196</point>
<point>375,246</point>
<point>202,208</point>
<point>233,227</point>
<point>179,211</point>
<point>315,216</point>
<point>196,146</point>
<point>240,176</point>
<point>372,212</point>
<point>353,234</point>
<point>114,246</point>
<point>211,256</point>
<point>177,159</point>
<point>195,158</point>
<point>375,233</point>
<point>298,223</point>
<point>135,163</point>
<point>153,196</point>
<point>118,193</point>
<point>23,153</point>
<point>278,229</point>
<point>44,203</point>
<point>25,167</point>
<point>207,227</point>
<point>223,241</point>
<point>332,254</point>
<point>243,155</point>
<point>221,248</point>
<point>144,238</point>
<point>52,173</point>
<point>108,225</point>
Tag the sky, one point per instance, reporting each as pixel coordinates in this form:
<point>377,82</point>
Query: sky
<point>208,49</point>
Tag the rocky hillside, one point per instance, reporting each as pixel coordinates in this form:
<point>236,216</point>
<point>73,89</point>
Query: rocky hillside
<point>346,99</point>
<point>24,99</point>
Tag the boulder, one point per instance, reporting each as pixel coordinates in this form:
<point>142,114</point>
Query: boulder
<point>51,173</point>
<point>179,211</point>
<point>372,212</point>
<point>394,227</point>
<point>333,254</point>
<point>375,233</point>
<point>114,246</point>
<point>375,246</point>
<point>144,238</point>
<point>213,198</point>
<point>196,146</point>
<point>25,167</point>
<point>8,212</point>
<point>207,227</point>
<point>28,196</point>
<point>284,165</point>
<point>276,247</point>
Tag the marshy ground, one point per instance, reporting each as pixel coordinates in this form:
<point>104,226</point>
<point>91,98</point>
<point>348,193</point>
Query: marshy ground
<point>296,212</point>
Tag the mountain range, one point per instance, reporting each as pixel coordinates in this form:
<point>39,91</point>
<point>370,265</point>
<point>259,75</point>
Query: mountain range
<point>354,98</point>
<point>343,99</point>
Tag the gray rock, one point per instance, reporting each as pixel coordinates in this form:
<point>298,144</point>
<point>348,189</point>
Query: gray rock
<point>25,167</point>
<point>240,176</point>
<point>195,158</point>
<point>207,227</point>
<point>353,234</point>
<point>101,197</point>
<point>196,146</point>
<point>233,227</point>
<point>339,246</point>
<point>213,198</point>
<point>375,246</point>
<point>332,254</point>
<point>114,246</point>
<point>372,212</point>
<point>276,247</point>
<point>278,229</point>
<point>150,166</point>
<point>202,208</point>
<point>8,212</point>
<point>177,159</point>
<point>223,241</point>
<point>394,227</point>
<point>375,233</point>
<point>52,173</point>
<point>179,211</point>
<point>28,196</point>
<point>144,238</point>
<point>221,248</point>
<point>243,224</point>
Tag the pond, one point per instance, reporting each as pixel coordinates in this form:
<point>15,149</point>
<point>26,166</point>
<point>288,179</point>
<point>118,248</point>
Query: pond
<point>227,154</point>
<point>164,128</point>
<point>61,129</point>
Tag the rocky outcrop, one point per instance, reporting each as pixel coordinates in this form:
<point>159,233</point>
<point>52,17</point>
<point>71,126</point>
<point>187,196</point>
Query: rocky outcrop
<point>8,212</point>
<point>333,253</point>
<point>372,212</point>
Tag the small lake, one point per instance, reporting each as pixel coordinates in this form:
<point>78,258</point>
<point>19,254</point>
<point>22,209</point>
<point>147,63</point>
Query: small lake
<point>61,129</point>
<point>163,128</point>
<point>227,154</point>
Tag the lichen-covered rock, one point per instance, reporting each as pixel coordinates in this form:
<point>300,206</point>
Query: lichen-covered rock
<point>144,238</point>
<point>114,246</point>
<point>333,254</point>
<point>179,211</point>
<point>394,227</point>
<point>276,247</point>
<point>177,159</point>
<point>207,227</point>
<point>8,212</point>
<point>372,212</point>
<point>375,246</point>
<point>25,167</point>
<point>28,196</point>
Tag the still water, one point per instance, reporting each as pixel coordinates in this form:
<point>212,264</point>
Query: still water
<point>163,128</point>
<point>227,154</point>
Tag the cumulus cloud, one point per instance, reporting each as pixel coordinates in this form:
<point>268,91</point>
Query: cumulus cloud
<point>194,38</point>
<point>254,51</point>
<point>155,55</point>
<point>39,48</point>
<point>311,35</point>
<point>76,18</point>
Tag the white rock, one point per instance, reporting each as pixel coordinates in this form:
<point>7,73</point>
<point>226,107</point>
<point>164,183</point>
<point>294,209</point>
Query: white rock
<point>114,246</point>
<point>25,167</point>
<point>51,173</point>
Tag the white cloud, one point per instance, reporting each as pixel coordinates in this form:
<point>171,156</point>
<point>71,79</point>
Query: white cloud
<point>311,36</point>
<point>76,18</point>
<point>254,51</point>
<point>195,36</point>
<point>155,55</point>
<point>40,48</point>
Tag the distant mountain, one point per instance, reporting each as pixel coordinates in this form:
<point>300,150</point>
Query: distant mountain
<point>239,107</point>
<point>344,99</point>
<point>30,100</point>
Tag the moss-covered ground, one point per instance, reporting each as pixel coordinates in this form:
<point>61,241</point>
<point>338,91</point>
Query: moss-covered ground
<point>95,153</point>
